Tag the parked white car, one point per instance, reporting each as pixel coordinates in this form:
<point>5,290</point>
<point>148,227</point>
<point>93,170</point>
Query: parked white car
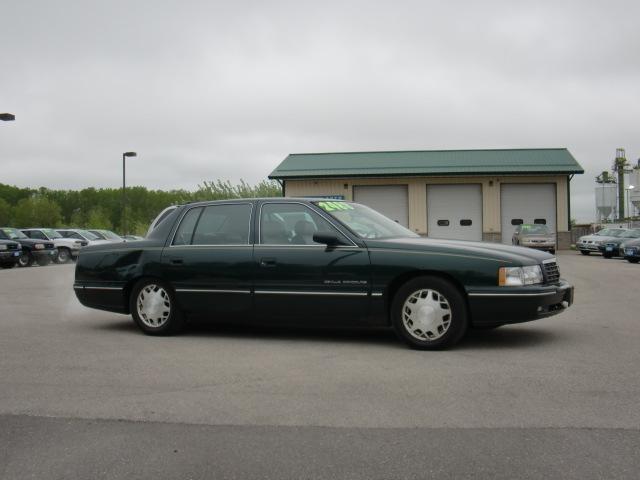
<point>68,248</point>
<point>590,243</point>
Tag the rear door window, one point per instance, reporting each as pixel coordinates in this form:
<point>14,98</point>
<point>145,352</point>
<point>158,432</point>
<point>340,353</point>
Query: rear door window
<point>223,225</point>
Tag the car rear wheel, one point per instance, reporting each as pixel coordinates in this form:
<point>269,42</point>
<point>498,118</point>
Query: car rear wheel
<point>25,260</point>
<point>607,255</point>
<point>633,260</point>
<point>64,255</point>
<point>585,252</point>
<point>429,313</point>
<point>154,308</point>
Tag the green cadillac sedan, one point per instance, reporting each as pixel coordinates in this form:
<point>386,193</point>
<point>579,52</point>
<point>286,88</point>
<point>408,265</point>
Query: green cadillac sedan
<point>318,262</point>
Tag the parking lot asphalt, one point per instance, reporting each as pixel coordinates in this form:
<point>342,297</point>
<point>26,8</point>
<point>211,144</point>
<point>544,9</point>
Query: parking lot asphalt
<point>83,394</point>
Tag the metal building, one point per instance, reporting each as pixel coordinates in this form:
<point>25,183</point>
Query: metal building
<point>455,194</point>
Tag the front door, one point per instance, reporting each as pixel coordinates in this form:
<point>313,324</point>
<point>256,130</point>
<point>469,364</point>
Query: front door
<point>300,281</point>
<point>209,261</point>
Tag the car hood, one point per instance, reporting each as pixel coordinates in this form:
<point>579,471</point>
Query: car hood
<point>618,240</point>
<point>497,251</point>
<point>631,242</point>
<point>600,238</point>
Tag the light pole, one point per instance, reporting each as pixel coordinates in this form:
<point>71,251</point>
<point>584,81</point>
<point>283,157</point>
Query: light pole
<point>124,191</point>
<point>7,117</point>
<point>628,189</point>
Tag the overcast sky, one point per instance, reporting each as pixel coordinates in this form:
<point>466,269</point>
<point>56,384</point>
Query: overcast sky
<point>205,90</point>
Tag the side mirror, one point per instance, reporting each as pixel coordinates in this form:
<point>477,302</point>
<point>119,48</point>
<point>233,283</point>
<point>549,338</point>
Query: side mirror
<point>328,238</point>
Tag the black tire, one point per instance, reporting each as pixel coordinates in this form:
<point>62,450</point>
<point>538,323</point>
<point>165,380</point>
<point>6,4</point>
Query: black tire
<point>633,260</point>
<point>585,252</point>
<point>64,255</point>
<point>438,289</point>
<point>171,323</point>
<point>25,260</point>
<point>607,255</point>
<point>7,265</point>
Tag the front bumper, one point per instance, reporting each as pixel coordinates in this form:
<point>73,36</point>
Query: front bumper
<point>610,249</point>
<point>588,247</point>
<point>45,253</point>
<point>540,246</point>
<point>631,252</point>
<point>503,305</point>
<point>8,256</point>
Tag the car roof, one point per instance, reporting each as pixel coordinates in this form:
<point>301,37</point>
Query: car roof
<point>264,199</point>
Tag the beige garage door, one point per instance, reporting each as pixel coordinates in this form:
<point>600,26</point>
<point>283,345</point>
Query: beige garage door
<point>454,212</point>
<point>390,200</point>
<point>526,203</point>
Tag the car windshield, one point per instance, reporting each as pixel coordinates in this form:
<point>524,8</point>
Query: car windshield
<point>631,234</point>
<point>12,234</point>
<point>534,230</point>
<point>364,221</point>
<point>88,235</point>
<point>51,233</point>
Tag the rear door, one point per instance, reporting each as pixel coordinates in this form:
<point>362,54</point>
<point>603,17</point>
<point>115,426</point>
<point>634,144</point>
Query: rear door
<point>209,261</point>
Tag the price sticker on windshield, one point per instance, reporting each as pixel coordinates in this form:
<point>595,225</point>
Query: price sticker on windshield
<point>333,206</point>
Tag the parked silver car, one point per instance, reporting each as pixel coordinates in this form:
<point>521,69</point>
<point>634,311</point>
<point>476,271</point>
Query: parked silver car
<point>107,235</point>
<point>591,243</point>
<point>534,236</point>
<point>80,234</point>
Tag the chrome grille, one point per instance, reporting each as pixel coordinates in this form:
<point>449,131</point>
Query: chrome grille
<point>12,246</point>
<point>551,271</point>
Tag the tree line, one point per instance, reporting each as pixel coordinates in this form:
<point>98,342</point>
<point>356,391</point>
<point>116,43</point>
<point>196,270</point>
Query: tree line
<point>103,207</point>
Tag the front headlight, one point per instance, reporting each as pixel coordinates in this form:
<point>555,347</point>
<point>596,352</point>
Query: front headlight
<point>39,246</point>
<point>519,276</point>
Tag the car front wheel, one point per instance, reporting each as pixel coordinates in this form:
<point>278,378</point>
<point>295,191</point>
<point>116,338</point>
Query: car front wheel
<point>154,308</point>
<point>25,260</point>
<point>64,255</point>
<point>429,313</point>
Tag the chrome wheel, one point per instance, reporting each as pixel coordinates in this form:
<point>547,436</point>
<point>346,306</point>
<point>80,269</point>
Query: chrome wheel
<point>63,255</point>
<point>24,260</point>
<point>153,305</point>
<point>426,315</point>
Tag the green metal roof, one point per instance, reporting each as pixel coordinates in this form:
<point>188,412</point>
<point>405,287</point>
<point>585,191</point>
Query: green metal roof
<point>428,162</point>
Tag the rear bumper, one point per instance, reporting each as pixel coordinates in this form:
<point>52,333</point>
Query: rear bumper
<point>109,297</point>
<point>500,306</point>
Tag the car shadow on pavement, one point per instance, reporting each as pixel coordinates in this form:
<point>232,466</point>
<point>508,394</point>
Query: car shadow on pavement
<point>504,337</point>
<point>508,337</point>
